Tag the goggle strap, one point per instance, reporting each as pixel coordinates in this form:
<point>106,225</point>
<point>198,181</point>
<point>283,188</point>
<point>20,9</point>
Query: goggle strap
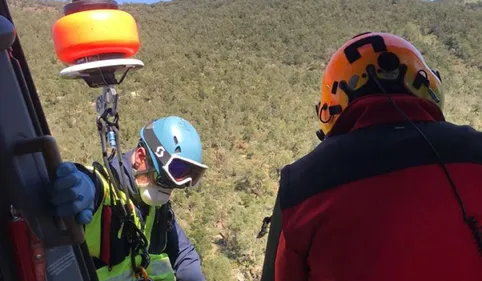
<point>160,153</point>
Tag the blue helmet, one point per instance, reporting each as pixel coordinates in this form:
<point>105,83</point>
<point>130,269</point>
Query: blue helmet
<point>175,150</point>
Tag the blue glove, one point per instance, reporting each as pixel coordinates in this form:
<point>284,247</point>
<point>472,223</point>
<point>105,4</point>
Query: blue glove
<point>73,193</point>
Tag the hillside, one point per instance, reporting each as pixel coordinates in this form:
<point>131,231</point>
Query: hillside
<point>246,73</point>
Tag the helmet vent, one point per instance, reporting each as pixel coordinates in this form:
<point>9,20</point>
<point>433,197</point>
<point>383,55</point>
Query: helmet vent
<point>178,149</point>
<point>353,81</point>
<point>334,88</point>
<point>175,140</point>
<point>388,61</point>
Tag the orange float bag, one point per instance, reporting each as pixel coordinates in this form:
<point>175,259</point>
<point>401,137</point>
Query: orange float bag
<point>94,30</point>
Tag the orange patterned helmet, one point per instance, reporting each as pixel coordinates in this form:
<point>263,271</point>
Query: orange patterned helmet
<point>374,63</point>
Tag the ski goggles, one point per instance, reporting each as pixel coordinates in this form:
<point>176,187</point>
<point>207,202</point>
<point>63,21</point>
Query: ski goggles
<point>173,171</point>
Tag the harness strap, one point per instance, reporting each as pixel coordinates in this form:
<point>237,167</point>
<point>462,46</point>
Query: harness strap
<point>136,239</point>
<point>105,250</point>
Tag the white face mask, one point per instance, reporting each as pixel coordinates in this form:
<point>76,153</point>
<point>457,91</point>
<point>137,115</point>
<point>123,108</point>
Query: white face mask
<point>154,195</point>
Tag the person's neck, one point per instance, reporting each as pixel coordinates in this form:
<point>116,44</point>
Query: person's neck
<point>378,109</point>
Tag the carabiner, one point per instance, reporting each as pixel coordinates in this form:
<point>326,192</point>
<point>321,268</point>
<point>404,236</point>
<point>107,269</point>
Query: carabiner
<point>141,274</point>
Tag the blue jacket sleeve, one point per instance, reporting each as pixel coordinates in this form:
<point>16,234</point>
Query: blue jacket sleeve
<point>184,258</point>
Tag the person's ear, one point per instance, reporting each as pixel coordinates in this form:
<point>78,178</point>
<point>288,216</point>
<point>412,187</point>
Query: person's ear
<point>140,158</point>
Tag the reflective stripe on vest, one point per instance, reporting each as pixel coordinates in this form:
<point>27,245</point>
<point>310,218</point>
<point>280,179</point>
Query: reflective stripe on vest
<point>159,269</point>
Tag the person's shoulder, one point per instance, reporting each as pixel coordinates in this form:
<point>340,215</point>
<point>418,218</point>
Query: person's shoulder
<point>294,177</point>
<point>87,169</point>
<point>447,126</point>
<point>457,139</point>
<point>312,157</point>
<point>445,132</point>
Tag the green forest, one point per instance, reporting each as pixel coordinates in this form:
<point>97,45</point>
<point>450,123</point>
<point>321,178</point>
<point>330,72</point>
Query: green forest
<point>246,73</point>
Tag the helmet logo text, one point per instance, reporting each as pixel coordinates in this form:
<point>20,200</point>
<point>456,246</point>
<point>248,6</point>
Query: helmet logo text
<point>160,151</point>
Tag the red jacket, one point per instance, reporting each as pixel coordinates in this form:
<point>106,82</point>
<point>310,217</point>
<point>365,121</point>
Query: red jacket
<point>372,203</point>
